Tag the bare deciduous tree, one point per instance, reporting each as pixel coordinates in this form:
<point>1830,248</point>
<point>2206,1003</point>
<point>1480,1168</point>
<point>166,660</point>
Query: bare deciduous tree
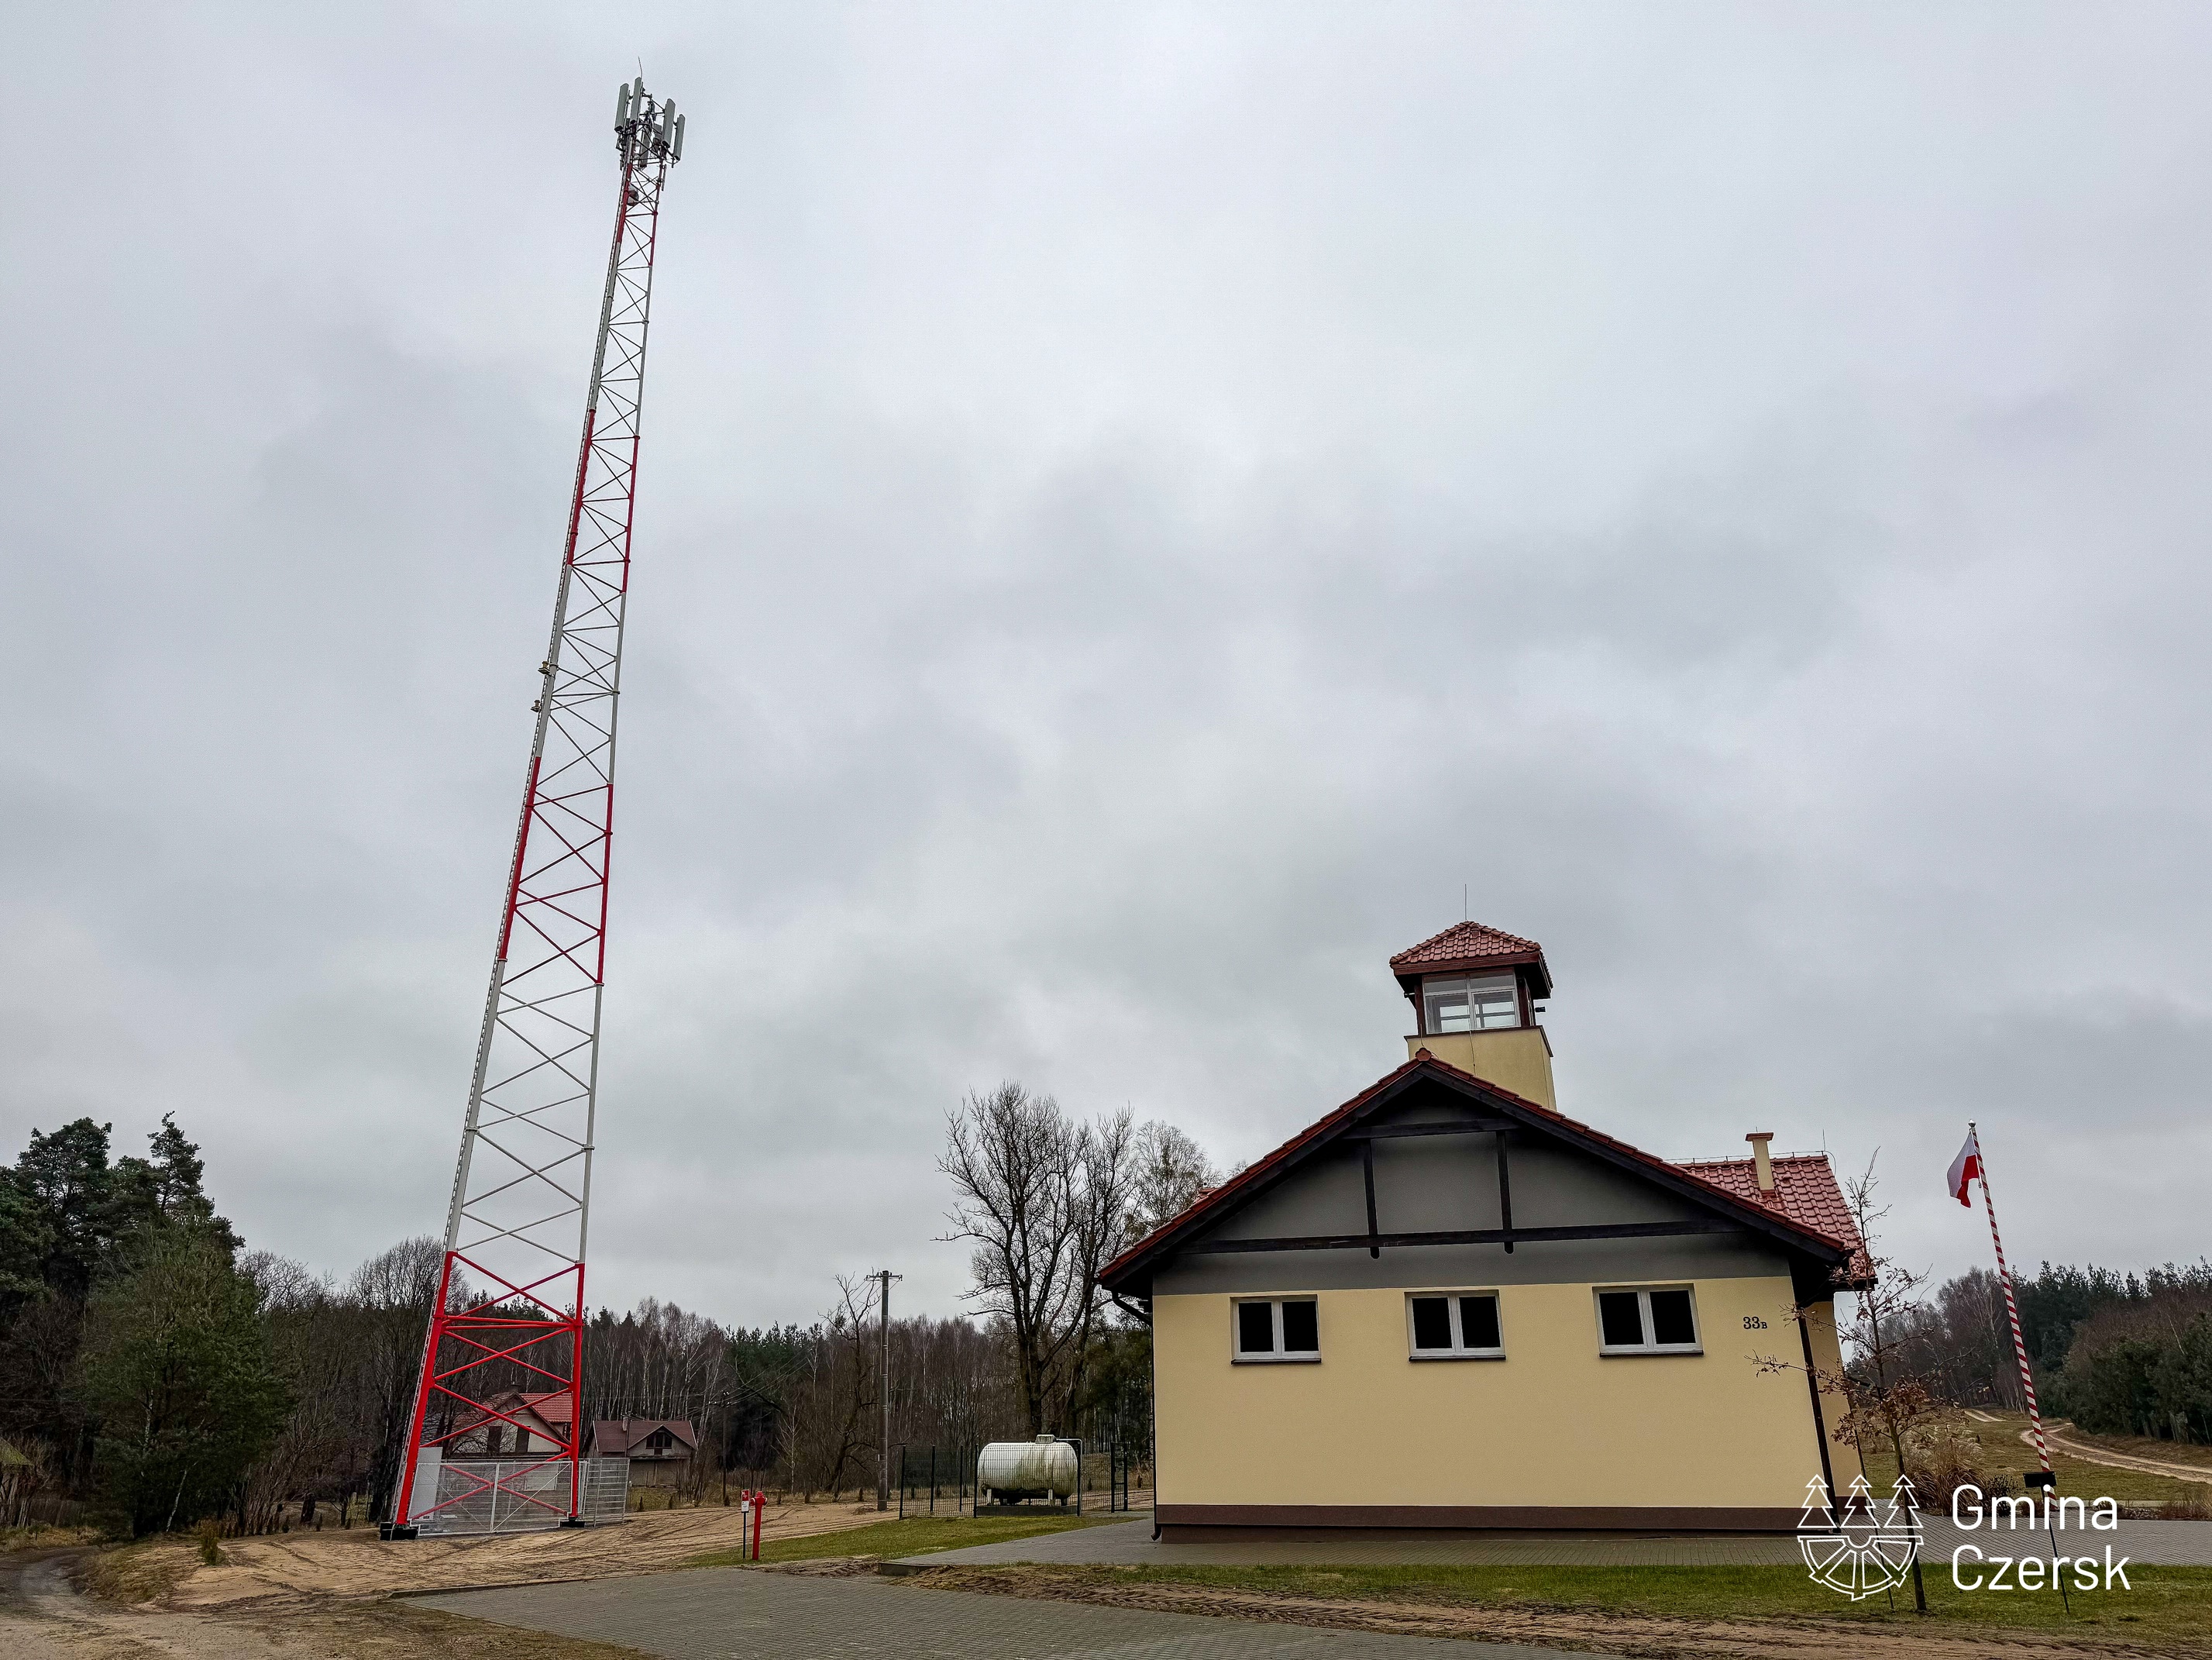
<point>1046,1200</point>
<point>1889,1402</point>
<point>1169,1172</point>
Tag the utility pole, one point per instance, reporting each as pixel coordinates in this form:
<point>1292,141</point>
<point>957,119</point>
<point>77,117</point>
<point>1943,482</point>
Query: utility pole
<point>883,1387</point>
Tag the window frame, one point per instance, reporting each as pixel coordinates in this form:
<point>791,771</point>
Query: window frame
<point>1651,1345</point>
<point>1433,983</point>
<point>1459,1350</point>
<point>1278,1357</point>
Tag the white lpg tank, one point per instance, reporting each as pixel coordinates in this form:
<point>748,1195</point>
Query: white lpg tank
<point>1043,1468</point>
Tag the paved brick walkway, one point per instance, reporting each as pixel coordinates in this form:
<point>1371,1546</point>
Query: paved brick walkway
<point>2174,1543</point>
<point>709,1613</point>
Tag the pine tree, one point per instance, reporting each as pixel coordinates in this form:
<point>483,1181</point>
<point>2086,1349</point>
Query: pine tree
<point>176,1369</point>
<point>69,1188</point>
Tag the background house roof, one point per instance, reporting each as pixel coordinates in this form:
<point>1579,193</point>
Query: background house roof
<point>545,1415</point>
<point>617,1438</point>
<point>552,1405</point>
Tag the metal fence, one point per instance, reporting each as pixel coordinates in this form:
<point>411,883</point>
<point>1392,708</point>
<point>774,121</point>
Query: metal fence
<point>43,1509</point>
<point>523,1495</point>
<point>941,1481</point>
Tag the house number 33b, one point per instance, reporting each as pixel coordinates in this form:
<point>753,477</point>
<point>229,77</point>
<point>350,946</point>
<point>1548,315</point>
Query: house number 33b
<point>1753,1323</point>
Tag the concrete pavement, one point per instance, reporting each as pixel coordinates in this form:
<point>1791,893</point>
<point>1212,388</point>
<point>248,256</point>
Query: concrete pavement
<point>706,1613</point>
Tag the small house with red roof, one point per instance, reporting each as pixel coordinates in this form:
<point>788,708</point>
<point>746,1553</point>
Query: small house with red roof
<point>516,1424</point>
<point>1448,1304</point>
<point>659,1450</point>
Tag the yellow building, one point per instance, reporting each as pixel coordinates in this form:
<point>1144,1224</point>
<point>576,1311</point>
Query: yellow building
<point>1448,1305</point>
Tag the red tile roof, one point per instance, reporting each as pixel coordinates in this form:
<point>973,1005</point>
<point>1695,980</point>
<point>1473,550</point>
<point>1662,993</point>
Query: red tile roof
<point>1462,940</point>
<point>613,1437</point>
<point>1217,1202</point>
<point>1805,1191</point>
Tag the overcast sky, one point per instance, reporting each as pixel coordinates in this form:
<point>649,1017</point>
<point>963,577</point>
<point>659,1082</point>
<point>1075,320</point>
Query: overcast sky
<point>1140,505</point>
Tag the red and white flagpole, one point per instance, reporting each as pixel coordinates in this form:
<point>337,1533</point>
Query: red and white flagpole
<point>1979,1166</point>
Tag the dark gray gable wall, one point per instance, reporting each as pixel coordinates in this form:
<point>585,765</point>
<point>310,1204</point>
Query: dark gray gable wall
<point>1444,1183</point>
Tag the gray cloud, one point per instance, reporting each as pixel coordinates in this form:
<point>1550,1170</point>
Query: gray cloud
<point>1138,506</point>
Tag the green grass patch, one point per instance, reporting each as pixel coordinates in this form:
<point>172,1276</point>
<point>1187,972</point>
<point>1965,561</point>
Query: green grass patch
<point>911,1537</point>
<point>2166,1605</point>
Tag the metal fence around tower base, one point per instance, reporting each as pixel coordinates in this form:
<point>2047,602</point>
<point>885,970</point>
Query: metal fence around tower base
<point>522,1495</point>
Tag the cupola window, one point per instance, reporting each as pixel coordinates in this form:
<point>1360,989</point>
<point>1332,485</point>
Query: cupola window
<point>1465,1003</point>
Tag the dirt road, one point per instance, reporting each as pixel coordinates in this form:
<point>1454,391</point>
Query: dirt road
<point>2055,1433</point>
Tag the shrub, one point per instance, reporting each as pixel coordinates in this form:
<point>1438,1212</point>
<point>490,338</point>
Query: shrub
<point>1941,1459</point>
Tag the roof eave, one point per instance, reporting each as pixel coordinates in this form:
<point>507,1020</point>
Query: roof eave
<point>1409,976</point>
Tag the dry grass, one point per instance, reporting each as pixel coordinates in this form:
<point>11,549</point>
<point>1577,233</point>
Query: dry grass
<point>40,1537</point>
<point>2001,1452</point>
<point>146,1571</point>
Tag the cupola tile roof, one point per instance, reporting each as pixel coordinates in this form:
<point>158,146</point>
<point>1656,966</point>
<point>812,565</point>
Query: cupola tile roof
<point>1471,945</point>
<point>1463,940</point>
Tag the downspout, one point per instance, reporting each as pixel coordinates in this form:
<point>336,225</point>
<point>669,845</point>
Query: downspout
<point>1152,1329</point>
<point>1820,1419</point>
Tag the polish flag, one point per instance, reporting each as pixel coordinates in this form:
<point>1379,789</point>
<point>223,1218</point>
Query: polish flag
<point>1965,1168</point>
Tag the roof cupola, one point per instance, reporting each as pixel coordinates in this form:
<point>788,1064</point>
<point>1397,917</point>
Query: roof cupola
<point>1476,992</point>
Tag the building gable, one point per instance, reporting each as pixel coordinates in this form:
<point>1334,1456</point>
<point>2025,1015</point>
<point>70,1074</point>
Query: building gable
<point>1470,1184</point>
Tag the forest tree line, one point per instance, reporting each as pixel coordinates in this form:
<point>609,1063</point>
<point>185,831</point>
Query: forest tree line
<point>153,1367</point>
<point>2118,1353</point>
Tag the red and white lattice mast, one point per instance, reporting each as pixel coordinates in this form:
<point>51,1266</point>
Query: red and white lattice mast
<point>515,1230</point>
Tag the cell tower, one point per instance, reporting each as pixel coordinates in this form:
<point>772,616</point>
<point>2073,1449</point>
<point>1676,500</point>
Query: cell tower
<point>515,1230</point>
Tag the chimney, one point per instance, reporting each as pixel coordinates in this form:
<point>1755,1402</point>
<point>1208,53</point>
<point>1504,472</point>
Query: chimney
<point>1762,1166</point>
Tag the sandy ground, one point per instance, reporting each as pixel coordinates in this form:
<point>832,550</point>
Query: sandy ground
<point>326,1596</point>
<point>43,1617</point>
<point>2055,1433</point>
<point>1611,1632</point>
<point>355,1563</point>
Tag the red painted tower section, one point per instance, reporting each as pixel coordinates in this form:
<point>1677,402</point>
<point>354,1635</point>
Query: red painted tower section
<point>509,1318</point>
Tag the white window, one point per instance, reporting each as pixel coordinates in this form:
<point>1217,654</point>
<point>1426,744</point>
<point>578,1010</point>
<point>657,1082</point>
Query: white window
<point>1456,1003</point>
<point>1453,1325</point>
<point>1654,1320</point>
<point>1277,1329</point>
